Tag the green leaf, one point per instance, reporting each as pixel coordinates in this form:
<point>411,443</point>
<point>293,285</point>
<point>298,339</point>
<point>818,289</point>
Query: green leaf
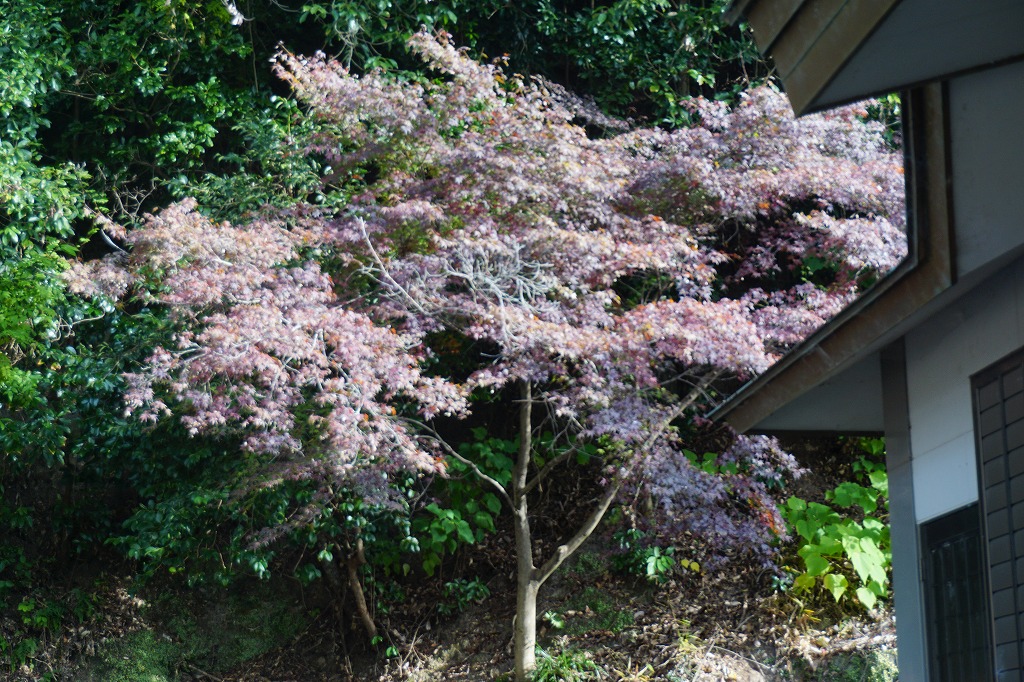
<point>492,503</point>
<point>465,533</point>
<point>866,597</point>
<point>484,520</point>
<point>879,481</point>
<point>836,584</point>
<point>816,564</point>
<point>806,529</point>
<point>867,559</point>
<point>803,582</point>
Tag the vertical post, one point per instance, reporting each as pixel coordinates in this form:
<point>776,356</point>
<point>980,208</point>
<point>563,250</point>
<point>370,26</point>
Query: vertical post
<point>906,554</point>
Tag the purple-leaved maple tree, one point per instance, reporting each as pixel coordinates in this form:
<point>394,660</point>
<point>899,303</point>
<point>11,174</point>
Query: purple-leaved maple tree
<point>618,278</point>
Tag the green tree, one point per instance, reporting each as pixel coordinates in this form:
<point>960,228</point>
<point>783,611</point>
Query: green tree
<point>640,58</point>
<point>39,200</point>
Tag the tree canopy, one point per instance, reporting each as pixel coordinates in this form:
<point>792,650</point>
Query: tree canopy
<point>614,282</point>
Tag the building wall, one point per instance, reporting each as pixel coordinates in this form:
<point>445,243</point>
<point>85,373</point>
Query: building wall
<point>942,354</point>
<point>988,323</point>
<point>988,164</point>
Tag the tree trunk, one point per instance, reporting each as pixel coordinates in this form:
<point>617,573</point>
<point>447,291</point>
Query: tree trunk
<point>337,587</point>
<point>356,585</point>
<point>530,578</point>
<point>525,635</point>
<point>525,641</point>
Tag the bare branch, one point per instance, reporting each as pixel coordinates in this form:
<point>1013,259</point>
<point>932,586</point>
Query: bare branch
<point>548,468</point>
<point>498,487</point>
<point>384,271</point>
<point>566,549</point>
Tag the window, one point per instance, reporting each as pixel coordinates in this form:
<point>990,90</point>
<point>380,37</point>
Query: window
<point>955,598</point>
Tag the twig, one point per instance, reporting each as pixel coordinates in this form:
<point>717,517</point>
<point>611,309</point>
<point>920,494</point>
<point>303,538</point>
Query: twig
<point>383,269</point>
<point>204,673</point>
<point>498,488</point>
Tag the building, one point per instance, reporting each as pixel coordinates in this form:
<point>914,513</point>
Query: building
<point>933,355</point>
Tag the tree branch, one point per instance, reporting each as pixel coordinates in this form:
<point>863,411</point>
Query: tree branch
<point>498,487</point>
<point>383,269</point>
<point>566,550</point>
<point>548,468</point>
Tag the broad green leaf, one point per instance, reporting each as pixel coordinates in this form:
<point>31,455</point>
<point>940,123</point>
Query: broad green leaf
<point>816,564</point>
<point>867,597</point>
<point>836,584</point>
<point>803,582</point>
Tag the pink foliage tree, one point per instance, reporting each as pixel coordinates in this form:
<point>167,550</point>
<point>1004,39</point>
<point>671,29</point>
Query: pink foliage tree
<point>618,279</point>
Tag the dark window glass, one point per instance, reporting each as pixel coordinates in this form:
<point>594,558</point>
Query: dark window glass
<point>955,598</point>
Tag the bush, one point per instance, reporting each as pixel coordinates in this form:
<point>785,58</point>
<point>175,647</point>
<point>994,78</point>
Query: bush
<point>460,593</point>
<point>655,563</point>
<point>846,545</point>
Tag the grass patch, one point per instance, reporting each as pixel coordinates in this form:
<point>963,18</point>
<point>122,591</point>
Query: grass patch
<point>234,627</point>
<point>587,565</point>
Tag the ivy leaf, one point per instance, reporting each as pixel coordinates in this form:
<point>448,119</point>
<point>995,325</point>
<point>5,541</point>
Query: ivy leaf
<point>866,597</point>
<point>816,564</point>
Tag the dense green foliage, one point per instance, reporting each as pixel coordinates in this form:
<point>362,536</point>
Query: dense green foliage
<point>844,546</point>
<point>640,58</point>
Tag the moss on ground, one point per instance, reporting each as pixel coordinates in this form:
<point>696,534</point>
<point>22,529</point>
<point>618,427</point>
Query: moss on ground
<point>141,656</point>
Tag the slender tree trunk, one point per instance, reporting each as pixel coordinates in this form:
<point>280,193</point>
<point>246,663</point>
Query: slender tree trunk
<point>525,637</point>
<point>356,585</point>
<point>351,581</point>
<point>529,577</point>
<point>526,628</point>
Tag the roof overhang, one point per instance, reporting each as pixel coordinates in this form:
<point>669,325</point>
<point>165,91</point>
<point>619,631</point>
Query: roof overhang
<point>831,52</point>
<point>839,363</point>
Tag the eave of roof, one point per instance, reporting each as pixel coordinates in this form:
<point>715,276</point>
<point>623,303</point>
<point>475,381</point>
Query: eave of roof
<point>810,40</point>
<point>832,52</point>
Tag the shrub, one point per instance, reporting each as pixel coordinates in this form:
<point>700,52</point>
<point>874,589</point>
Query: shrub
<point>846,544</point>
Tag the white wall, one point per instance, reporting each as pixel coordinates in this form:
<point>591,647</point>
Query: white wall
<point>986,118</point>
<point>942,354</point>
<point>988,323</point>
